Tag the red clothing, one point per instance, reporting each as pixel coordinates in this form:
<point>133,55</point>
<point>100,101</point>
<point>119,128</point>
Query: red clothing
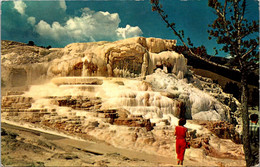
<point>180,133</point>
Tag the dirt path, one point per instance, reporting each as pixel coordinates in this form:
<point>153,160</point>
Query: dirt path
<point>23,146</point>
<point>51,149</point>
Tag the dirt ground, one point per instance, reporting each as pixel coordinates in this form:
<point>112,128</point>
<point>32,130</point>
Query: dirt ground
<point>30,147</point>
<point>26,147</point>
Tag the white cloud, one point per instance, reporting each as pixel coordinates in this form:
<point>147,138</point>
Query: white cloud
<point>31,20</point>
<point>63,5</point>
<point>54,31</point>
<point>90,26</point>
<point>87,11</point>
<point>128,31</point>
<point>20,6</point>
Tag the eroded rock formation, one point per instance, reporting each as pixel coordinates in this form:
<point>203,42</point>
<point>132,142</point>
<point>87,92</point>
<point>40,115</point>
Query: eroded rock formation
<point>25,65</point>
<point>129,93</point>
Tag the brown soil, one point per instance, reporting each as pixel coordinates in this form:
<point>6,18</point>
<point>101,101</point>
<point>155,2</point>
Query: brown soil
<point>30,147</point>
<point>26,147</point>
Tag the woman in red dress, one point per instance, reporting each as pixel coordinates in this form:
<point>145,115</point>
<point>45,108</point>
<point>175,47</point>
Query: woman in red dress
<point>181,132</point>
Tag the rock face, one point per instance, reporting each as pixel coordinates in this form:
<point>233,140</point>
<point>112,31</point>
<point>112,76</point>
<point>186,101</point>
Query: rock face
<point>129,93</point>
<point>25,65</point>
<point>126,58</point>
<point>22,65</point>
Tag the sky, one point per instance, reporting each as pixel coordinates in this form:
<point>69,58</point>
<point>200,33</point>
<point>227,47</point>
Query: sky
<point>59,23</point>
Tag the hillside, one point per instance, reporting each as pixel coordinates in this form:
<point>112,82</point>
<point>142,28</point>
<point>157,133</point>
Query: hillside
<point>226,77</point>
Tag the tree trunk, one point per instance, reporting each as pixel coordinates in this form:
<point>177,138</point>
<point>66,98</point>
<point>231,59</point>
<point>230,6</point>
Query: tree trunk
<point>245,120</point>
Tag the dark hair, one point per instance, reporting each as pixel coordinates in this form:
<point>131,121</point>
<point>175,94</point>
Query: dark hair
<point>182,122</point>
<point>253,117</point>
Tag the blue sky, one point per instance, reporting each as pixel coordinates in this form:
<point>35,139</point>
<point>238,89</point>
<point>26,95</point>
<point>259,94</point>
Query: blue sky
<point>58,23</point>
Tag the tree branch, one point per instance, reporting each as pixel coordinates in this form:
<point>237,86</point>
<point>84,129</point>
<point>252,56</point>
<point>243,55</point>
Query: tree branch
<point>243,11</point>
<point>171,26</point>
<point>253,65</point>
<point>248,52</point>
<point>224,9</point>
<point>223,16</point>
<point>157,8</point>
<point>195,55</point>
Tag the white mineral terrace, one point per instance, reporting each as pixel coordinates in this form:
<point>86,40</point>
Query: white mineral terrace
<point>131,94</point>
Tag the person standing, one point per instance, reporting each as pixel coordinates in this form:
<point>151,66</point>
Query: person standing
<point>254,137</point>
<point>181,133</point>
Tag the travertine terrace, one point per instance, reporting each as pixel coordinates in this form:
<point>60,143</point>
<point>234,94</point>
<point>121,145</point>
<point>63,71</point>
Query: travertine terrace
<point>128,93</point>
